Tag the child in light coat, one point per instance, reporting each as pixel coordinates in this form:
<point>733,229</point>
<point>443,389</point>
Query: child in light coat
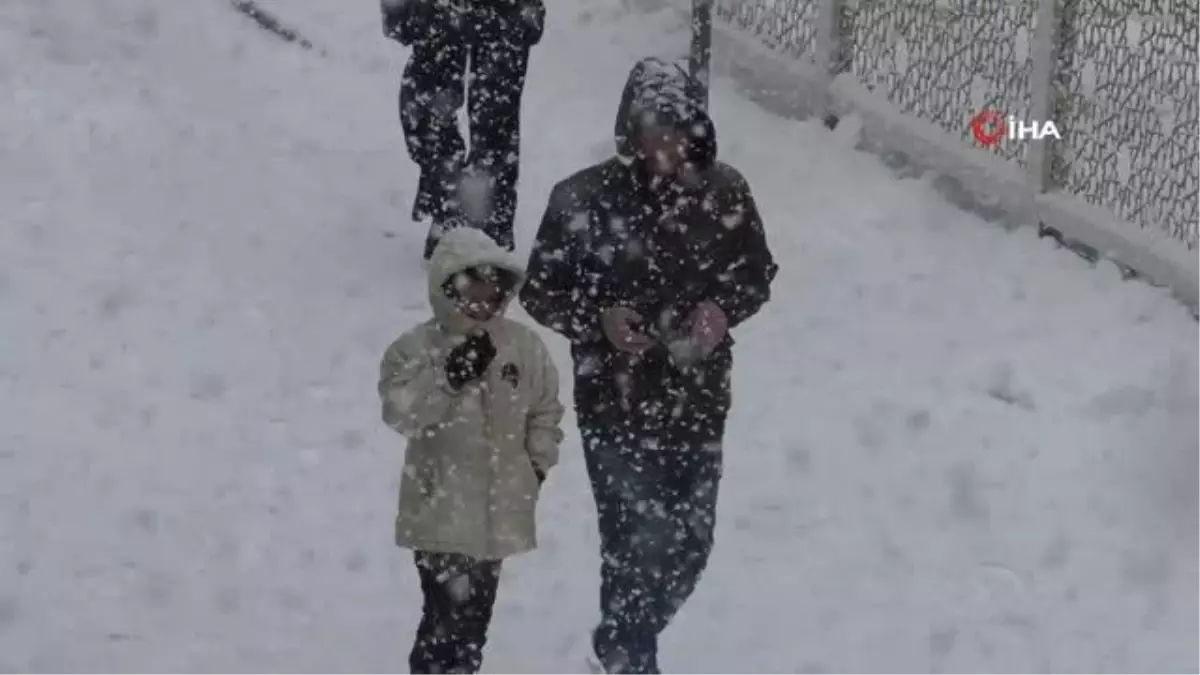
<point>476,395</point>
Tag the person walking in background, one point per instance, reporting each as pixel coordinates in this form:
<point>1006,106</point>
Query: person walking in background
<point>476,395</point>
<point>492,39</point>
<point>644,262</point>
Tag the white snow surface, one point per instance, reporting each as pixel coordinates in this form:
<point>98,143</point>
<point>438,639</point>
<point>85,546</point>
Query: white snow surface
<point>953,448</point>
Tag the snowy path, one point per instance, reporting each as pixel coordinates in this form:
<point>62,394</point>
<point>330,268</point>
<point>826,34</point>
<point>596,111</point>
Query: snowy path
<point>953,449</point>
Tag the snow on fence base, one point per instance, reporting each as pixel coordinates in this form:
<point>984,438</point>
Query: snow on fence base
<point>1154,256</point>
<point>800,86</point>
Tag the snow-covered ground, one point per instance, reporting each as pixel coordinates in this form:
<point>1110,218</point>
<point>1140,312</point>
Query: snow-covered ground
<point>953,449</point>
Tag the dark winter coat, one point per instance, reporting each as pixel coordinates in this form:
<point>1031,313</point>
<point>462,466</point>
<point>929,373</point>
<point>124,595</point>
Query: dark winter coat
<point>409,21</point>
<point>609,238</point>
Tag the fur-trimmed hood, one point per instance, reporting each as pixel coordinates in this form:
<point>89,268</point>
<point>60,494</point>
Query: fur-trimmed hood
<point>458,250</point>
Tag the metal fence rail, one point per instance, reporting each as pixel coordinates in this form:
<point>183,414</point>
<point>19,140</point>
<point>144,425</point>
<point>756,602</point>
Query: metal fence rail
<point>1118,77</point>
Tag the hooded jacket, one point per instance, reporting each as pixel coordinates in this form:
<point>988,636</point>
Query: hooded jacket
<point>612,237</point>
<point>470,472</point>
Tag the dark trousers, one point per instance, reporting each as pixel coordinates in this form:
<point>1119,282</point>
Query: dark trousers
<point>656,499</point>
<point>459,595</point>
<point>487,40</point>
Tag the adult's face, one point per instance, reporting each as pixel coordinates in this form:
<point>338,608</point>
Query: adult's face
<point>665,150</point>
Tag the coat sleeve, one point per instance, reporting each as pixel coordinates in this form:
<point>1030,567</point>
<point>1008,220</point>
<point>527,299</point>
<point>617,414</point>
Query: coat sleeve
<point>552,293</point>
<point>744,286</point>
<point>543,428</point>
<point>413,387</point>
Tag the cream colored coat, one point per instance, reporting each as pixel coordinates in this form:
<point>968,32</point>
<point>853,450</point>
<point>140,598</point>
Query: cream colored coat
<point>469,484</point>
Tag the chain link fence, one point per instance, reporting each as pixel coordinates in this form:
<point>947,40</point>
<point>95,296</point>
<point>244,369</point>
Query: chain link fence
<point>1120,84</point>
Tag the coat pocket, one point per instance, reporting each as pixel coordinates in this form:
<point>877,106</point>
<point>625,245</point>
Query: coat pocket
<point>419,485</point>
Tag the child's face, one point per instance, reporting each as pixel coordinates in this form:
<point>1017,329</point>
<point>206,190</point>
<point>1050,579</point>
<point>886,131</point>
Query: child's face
<point>479,300</point>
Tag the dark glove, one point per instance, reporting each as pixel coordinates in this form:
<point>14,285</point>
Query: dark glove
<point>470,360</point>
<point>541,475</point>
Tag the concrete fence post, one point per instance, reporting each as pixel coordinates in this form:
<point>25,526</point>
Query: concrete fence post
<point>829,51</point>
<point>1043,92</point>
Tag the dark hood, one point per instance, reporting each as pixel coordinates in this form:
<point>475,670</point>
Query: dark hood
<point>659,91</point>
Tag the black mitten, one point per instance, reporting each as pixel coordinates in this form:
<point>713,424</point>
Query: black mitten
<point>541,475</point>
<point>470,360</point>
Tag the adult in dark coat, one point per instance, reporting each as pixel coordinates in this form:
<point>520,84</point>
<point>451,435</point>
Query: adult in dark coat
<point>493,38</point>
<point>644,262</point>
